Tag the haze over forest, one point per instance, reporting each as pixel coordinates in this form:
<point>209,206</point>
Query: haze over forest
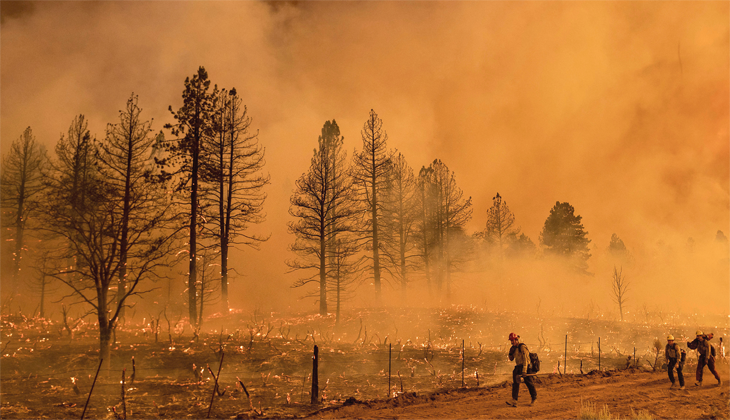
<point>618,108</point>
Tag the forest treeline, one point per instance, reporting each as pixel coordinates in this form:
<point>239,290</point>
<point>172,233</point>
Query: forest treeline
<point>371,217</point>
<point>102,220</point>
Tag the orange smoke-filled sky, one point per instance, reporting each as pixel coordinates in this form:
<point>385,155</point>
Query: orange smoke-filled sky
<point>620,108</point>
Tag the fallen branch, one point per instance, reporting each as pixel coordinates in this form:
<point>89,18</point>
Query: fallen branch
<point>215,387</point>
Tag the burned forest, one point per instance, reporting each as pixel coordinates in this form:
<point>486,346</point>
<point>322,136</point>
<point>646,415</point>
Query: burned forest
<point>364,210</point>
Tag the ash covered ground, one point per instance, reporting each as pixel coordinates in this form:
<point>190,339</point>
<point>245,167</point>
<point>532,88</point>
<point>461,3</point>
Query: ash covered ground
<point>47,370</point>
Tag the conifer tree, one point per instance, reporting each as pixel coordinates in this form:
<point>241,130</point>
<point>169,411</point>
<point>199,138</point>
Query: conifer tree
<point>192,130</point>
<point>371,168</point>
<point>20,184</point>
<point>563,235</point>
<point>325,209</point>
<point>234,182</point>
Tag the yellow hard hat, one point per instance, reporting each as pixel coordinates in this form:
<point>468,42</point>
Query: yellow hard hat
<point>670,337</point>
<point>698,332</point>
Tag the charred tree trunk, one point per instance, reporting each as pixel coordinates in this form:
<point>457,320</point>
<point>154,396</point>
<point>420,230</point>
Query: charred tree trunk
<point>193,267</point>
<point>19,225</point>
<point>224,276</point>
<point>105,330</point>
<point>124,240</point>
<point>339,291</point>
<point>403,268</point>
<point>322,270</point>
<point>376,250</point>
<point>224,214</point>
<point>315,376</point>
<point>424,221</point>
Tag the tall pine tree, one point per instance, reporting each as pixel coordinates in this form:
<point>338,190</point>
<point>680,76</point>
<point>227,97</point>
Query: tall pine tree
<point>192,130</point>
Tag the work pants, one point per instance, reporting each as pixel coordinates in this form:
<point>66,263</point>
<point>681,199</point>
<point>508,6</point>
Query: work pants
<point>701,362</point>
<point>670,368</point>
<point>516,375</point>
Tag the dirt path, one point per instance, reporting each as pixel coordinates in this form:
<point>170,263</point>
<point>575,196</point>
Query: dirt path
<point>560,398</point>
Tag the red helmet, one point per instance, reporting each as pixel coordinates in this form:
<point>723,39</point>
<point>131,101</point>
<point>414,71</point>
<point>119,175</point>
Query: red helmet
<point>512,336</point>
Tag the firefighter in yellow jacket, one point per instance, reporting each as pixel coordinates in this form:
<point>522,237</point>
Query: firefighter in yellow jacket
<point>521,355</point>
<point>674,354</point>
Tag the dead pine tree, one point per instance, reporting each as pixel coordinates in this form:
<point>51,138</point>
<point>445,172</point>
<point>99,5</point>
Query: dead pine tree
<point>619,288</point>
<point>234,181</point>
<point>124,158</point>
<point>20,184</point>
<point>343,268</point>
<point>425,226</point>
<point>41,282</point>
<point>500,226</point>
<point>82,210</point>
<point>324,208</point>
<point>451,212</point>
<point>400,216</point>
<point>371,171</point>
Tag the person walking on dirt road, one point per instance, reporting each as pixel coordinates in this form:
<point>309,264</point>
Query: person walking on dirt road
<point>706,356</point>
<point>674,354</point>
<point>521,355</point>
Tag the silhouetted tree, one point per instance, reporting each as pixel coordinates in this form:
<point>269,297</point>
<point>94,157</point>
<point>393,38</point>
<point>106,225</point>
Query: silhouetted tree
<point>324,208</point>
<point>75,163</point>
<point>619,287</point>
<point>720,237</point>
<point>342,245</point>
<point>233,169</point>
<point>563,235</point>
<point>452,211</point>
<point>193,130</point>
<point>86,216</point>
<point>20,184</point>
<point>616,247</point>
<point>371,168</point>
<point>400,217</point>
<point>520,246</point>
<point>40,282</point>
<point>124,160</point>
<point>500,225</point>
<point>426,227</point>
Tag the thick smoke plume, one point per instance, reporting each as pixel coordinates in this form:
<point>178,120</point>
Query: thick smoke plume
<point>620,108</point>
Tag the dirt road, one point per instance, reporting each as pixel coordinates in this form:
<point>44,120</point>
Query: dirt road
<point>560,398</point>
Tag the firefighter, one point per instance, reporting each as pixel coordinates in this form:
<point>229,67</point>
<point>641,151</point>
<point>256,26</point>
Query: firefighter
<point>706,356</point>
<point>674,354</point>
<point>521,355</point>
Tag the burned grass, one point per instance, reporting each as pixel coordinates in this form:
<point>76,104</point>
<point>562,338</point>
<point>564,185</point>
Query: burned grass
<point>271,356</point>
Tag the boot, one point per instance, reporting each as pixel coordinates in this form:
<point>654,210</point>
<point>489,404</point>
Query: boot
<point>681,388</point>
<point>674,385</point>
<point>719,382</point>
<point>532,403</point>
<point>513,403</point>
<point>698,383</point>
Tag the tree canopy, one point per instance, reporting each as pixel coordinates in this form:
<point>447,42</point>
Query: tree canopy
<point>563,235</point>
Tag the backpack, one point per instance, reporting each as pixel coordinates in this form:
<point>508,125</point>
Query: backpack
<point>534,360</point>
<point>683,356</point>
